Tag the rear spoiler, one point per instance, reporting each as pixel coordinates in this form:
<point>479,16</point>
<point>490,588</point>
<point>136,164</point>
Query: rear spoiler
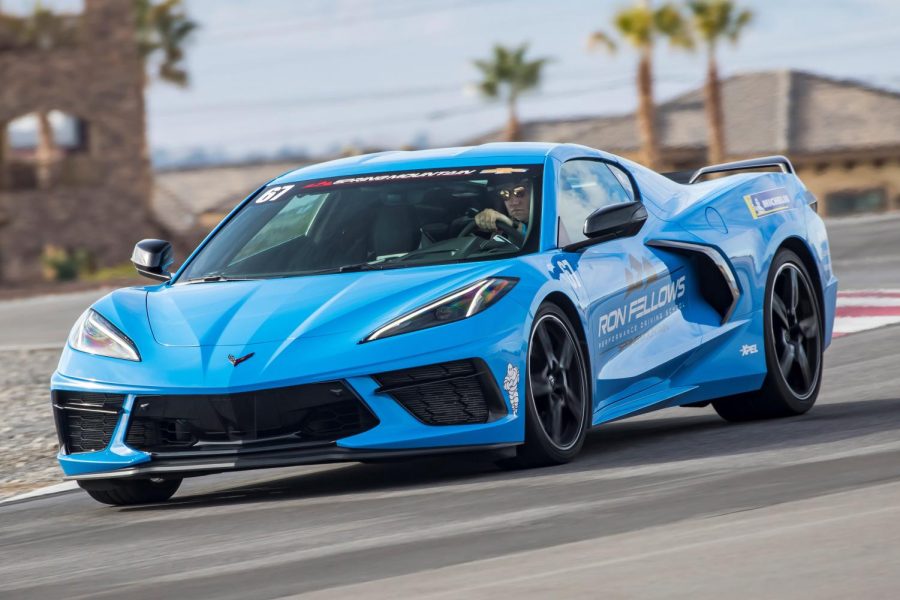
<point>766,162</point>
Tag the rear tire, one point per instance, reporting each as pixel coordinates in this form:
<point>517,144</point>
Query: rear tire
<point>793,346</point>
<point>558,406</point>
<point>133,491</point>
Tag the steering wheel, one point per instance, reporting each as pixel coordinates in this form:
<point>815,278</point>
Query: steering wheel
<point>508,231</point>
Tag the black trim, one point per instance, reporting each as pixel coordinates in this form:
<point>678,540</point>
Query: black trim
<point>625,219</point>
<point>460,392</point>
<point>151,258</point>
<point>247,422</point>
<point>717,282</point>
<point>811,200</point>
<point>193,467</point>
<point>85,421</point>
<point>678,176</point>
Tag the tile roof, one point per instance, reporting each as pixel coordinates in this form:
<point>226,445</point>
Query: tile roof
<point>179,196</point>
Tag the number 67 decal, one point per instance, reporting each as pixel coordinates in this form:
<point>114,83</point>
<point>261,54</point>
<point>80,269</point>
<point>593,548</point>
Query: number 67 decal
<point>273,193</point>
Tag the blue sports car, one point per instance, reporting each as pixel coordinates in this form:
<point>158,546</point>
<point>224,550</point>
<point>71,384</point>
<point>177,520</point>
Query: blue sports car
<point>504,297</point>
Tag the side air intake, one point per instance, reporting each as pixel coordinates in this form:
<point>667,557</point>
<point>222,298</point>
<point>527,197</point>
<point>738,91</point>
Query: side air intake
<point>718,285</point>
<point>85,421</point>
<point>460,392</point>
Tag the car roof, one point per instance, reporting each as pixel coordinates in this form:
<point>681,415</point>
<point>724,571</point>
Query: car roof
<point>499,153</point>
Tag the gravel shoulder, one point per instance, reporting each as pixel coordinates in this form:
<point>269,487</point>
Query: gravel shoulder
<point>28,441</point>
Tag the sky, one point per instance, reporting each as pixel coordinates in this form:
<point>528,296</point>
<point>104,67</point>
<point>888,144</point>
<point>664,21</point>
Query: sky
<point>317,76</point>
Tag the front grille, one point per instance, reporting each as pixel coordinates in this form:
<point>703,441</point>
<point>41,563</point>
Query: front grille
<point>453,393</point>
<point>320,412</point>
<point>85,421</point>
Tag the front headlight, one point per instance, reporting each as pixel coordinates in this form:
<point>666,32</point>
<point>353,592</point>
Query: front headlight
<point>95,335</point>
<point>459,305</point>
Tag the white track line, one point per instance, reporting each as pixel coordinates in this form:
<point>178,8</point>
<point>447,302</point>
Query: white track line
<point>49,490</point>
<point>856,324</point>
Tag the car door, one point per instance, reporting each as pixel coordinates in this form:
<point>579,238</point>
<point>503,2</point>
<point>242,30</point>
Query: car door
<point>639,334</point>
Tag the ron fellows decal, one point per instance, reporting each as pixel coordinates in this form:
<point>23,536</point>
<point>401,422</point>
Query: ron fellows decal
<point>636,316</point>
<point>768,202</point>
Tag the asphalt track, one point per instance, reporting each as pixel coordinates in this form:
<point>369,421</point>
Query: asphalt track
<point>673,504</point>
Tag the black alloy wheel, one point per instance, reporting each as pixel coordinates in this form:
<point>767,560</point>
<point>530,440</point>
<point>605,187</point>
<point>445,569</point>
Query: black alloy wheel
<point>793,341</point>
<point>795,330</point>
<point>556,376</point>
<point>558,406</point>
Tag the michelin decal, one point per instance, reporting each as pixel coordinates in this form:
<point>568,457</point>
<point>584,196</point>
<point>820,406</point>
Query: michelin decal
<point>511,385</point>
<point>768,202</point>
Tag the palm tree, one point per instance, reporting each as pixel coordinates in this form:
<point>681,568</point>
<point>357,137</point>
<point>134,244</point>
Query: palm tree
<point>712,21</point>
<point>506,76</point>
<point>4,145</point>
<point>640,26</point>
<point>163,29</point>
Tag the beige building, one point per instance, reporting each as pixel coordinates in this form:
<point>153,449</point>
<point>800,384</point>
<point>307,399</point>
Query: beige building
<point>843,136</point>
<point>190,202</point>
<point>88,193</point>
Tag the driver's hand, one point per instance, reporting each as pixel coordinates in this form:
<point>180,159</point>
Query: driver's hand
<point>487,219</point>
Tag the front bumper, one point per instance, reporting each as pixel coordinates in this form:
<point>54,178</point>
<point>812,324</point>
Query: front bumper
<point>397,434</point>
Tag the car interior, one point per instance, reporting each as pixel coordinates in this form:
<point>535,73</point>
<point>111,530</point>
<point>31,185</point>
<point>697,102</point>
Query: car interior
<point>370,224</point>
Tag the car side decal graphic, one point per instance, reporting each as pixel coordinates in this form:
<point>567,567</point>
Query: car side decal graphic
<point>768,202</point>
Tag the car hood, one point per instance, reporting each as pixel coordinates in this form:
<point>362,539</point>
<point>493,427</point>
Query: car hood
<point>240,313</point>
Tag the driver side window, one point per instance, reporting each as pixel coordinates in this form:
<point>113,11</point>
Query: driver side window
<point>583,187</point>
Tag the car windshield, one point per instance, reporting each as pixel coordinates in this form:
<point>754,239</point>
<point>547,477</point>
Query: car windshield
<point>379,221</point>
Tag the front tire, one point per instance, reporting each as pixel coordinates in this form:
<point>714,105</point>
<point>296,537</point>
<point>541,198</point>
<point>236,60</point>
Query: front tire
<point>558,406</point>
<point>793,344</point>
<point>133,491</point>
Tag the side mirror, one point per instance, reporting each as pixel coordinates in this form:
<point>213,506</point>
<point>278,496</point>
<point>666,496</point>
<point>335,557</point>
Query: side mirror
<point>614,221</point>
<point>152,258</point>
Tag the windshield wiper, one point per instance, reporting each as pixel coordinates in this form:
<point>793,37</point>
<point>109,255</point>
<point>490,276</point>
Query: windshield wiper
<point>366,266</point>
<point>214,277</point>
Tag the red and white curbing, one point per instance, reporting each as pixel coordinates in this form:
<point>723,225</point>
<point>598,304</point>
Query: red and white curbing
<point>860,310</point>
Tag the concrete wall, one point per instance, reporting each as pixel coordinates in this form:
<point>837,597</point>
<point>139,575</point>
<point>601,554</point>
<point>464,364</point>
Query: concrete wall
<point>100,80</point>
<point>848,175</point>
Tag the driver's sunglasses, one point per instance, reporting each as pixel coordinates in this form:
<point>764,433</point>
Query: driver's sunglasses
<point>517,192</point>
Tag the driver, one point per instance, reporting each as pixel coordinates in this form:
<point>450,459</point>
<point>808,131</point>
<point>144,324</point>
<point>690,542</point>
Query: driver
<point>516,196</point>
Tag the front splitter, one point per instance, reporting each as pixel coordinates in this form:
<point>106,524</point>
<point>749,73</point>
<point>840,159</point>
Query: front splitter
<point>169,466</point>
